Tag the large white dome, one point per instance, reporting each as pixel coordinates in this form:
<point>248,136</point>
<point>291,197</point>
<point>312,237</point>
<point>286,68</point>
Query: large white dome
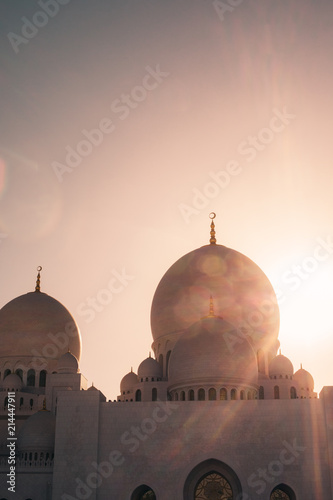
<point>212,351</point>
<point>242,293</point>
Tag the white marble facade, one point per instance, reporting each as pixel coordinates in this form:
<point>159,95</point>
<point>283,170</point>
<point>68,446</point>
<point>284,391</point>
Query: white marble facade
<point>216,413</point>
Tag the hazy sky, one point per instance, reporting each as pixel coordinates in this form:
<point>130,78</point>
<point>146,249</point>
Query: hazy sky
<point>124,123</point>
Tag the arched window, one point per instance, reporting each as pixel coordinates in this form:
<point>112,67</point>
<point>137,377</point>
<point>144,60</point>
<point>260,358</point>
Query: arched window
<point>19,372</point>
<point>31,378</point>
<point>242,394</point>
<point>138,395</point>
<point>293,394</point>
<point>213,485</point>
<point>31,403</point>
<point>233,394</point>
<point>7,372</point>
<point>167,363</point>
<point>261,392</point>
<point>42,378</point>
<point>160,360</point>
<point>143,492</point>
<point>276,392</point>
<point>223,394</point>
<point>212,394</point>
<point>176,396</point>
<point>191,395</point>
<point>182,395</point>
<point>201,395</point>
<point>154,394</point>
<point>210,480</point>
<point>282,492</point>
<point>21,402</point>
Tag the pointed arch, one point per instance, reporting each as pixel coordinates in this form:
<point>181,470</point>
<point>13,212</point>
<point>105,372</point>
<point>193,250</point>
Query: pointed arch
<point>214,476</point>
<point>143,492</point>
<point>138,395</point>
<point>212,394</point>
<point>191,395</point>
<point>42,378</point>
<point>223,394</point>
<point>293,393</point>
<point>201,394</point>
<point>261,392</point>
<point>31,378</point>
<point>282,492</point>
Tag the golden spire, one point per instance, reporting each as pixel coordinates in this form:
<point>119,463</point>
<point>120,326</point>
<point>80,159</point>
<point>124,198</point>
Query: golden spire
<point>211,313</point>
<point>212,240</point>
<point>211,307</point>
<point>37,289</point>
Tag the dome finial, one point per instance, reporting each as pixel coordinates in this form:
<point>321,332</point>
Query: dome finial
<point>37,288</point>
<point>211,307</point>
<point>212,240</point>
<point>211,313</point>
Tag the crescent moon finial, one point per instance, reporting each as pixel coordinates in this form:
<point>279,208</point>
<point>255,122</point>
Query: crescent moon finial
<point>212,240</point>
<point>37,288</point>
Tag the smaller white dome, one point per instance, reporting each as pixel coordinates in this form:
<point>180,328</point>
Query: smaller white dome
<point>68,363</point>
<point>149,368</point>
<point>304,379</point>
<point>128,382</point>
<point>12,382</point>
<point>280,366</point>
<point>92,388</point>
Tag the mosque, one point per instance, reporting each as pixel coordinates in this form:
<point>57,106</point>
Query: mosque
<point>217,413</point>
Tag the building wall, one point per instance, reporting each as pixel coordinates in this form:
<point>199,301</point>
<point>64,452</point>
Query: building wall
<point>119,446</point>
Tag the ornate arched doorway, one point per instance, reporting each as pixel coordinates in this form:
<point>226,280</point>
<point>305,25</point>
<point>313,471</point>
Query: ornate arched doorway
<point>212,480</point>
<point>282,492</point>
<point>213,486</point>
